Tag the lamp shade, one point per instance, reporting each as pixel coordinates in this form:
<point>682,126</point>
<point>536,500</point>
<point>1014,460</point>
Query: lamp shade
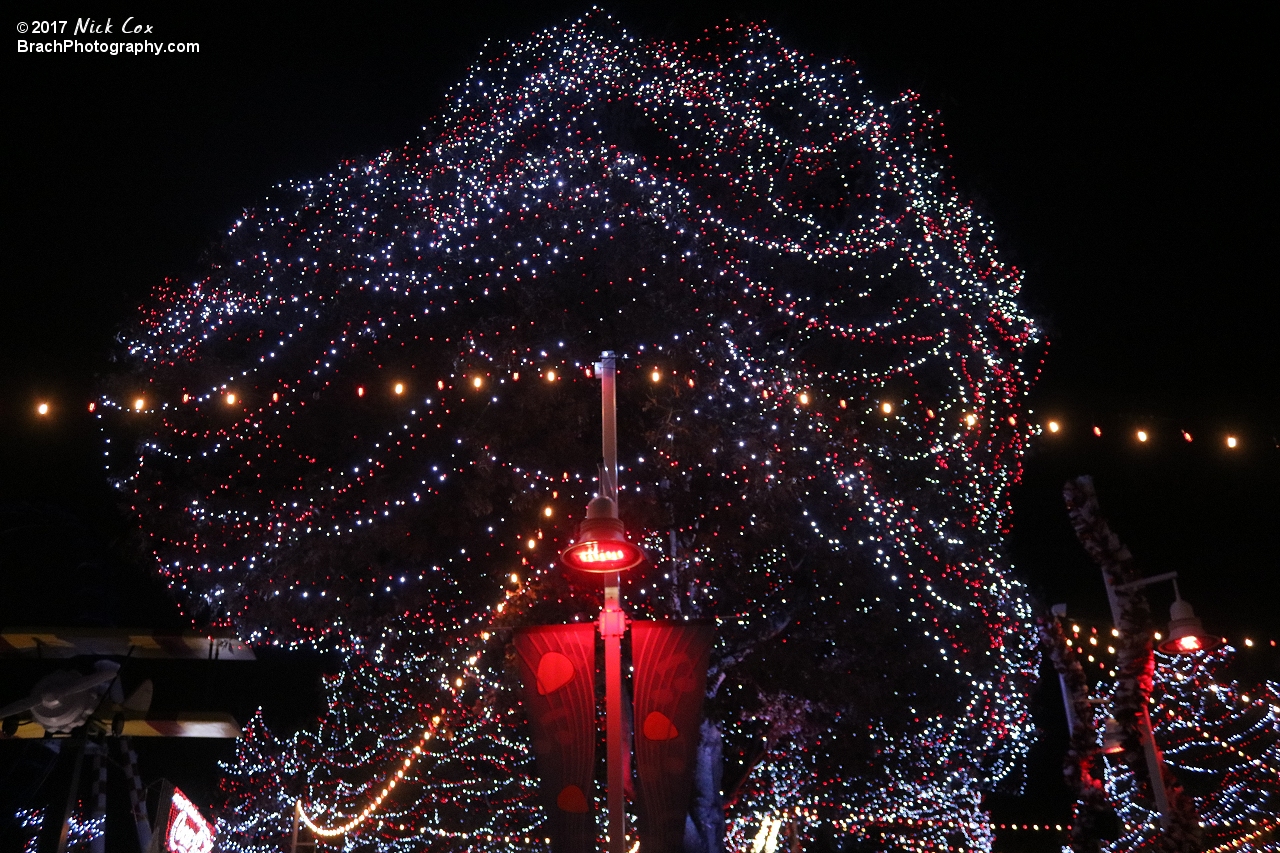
<point>602,546</point>
<point>1186,634</point>
<point>1112,737</point>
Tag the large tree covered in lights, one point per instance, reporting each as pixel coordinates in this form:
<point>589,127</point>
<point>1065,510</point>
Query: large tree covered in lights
<point>370,423</point>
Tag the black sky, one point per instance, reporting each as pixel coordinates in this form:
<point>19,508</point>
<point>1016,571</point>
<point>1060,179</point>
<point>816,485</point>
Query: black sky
<point>1123,156</point>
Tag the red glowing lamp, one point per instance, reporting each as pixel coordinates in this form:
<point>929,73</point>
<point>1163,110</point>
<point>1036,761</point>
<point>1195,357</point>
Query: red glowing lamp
<point>602,556</point>
<point>1112,737</point>
<point>1186,634</point>
<point>602,547</point>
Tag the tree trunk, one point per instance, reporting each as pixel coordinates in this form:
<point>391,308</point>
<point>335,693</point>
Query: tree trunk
<point>704,828</point>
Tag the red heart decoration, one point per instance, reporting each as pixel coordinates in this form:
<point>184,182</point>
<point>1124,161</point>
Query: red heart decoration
<point>657,726</point>
<point>572,799</point>
<point>554,671</point>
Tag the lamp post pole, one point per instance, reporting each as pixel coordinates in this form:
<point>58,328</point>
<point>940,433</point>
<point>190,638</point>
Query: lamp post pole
<point>602,548</point>
<point>1129,612</point>
<point>613,620</point>
<point>1155,762</point>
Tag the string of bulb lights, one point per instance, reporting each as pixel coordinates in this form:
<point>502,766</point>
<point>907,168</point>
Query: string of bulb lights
<point>1093,649</point>
<point>1049,428</point>
<point>371,808</point>
<point>382,785</point>
<point>374,802</point>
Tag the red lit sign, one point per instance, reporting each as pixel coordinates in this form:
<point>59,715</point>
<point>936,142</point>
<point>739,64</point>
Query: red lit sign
<point>602,555</point>
<point>187,830</point>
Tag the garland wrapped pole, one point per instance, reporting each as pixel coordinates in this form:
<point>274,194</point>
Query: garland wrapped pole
<point>1095,819</point>
<point>1135,667</point>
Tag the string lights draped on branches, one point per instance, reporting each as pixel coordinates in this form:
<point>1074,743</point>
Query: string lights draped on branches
<point>1222,739</point>
<point>373,404</point>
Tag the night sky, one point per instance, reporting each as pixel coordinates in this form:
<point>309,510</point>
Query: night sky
<point>1123,158</point>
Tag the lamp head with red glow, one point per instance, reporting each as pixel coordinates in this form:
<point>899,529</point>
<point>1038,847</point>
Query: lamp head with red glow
<point>1186,633</point>
<point>602,547</point>
<point>1112,737</point>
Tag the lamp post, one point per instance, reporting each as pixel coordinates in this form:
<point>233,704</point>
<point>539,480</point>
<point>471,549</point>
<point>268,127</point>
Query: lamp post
<point>1130,616</point>
<point>602,548</point>
<point>1186,636</point>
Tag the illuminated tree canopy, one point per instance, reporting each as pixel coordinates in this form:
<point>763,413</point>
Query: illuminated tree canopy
<point>372,414</point>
